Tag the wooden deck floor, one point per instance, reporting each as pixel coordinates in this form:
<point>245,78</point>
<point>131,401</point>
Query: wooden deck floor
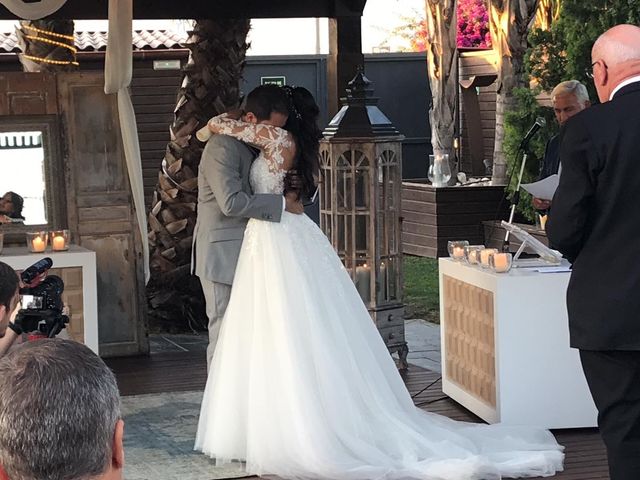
<point>184,371</point>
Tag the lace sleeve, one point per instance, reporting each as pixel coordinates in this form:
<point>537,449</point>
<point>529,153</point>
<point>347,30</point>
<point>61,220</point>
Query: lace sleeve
<point>273,141</point>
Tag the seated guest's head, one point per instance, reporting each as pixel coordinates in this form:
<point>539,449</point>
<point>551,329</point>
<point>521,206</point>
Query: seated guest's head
<point>9,295</point>
<point>569,98</point>
<point>11,205</point>
<point>59,414</point>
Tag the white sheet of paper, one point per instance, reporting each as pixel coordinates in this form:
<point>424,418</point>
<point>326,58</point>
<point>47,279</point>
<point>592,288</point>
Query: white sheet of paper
<point>543,189</point>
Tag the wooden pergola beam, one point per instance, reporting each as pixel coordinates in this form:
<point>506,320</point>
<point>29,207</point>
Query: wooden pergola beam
<point>345,32</point>
<point>345,54</point>
<point>199,9</point>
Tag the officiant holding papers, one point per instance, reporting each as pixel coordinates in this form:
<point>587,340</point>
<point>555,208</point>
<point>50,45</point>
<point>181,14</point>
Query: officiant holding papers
<point>568,98</point>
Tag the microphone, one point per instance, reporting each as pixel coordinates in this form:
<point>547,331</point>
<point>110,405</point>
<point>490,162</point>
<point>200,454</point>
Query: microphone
<point>35,270</point>
<point>539,123</point>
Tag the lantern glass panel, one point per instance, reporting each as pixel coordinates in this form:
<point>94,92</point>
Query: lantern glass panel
<point>340,246</point>
<point>392,264</point>
<point>362,233</point>
<point>342,194</point>
<point>344,160</point>
<point>327,187</point>
<point>362,188</point>
<point>326,224</point>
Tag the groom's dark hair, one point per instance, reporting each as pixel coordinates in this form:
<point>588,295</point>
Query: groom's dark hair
<point>265,99</point>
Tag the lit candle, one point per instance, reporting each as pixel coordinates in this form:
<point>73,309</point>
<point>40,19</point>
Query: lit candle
<point>58,243</point>
<point>383,281</point>
<point>38,244</point>
<point>458,253</point>
<point>501,262</point>
<point>473,256</point>
<point>363,282</point>
<point>484,255</point>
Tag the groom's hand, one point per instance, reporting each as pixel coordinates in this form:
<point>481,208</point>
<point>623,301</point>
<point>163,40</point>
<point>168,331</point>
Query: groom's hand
<point>293,204</point>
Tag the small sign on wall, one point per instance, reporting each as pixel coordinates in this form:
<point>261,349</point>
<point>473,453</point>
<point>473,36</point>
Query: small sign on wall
<point>166,64</point>
<point>280,81</point>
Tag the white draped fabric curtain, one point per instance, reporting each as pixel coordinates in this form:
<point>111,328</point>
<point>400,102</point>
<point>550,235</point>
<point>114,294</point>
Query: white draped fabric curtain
<point>33,11</point>
<point>117,77</point>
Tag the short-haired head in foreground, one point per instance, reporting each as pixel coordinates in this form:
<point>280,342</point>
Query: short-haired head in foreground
<point>59,414</point>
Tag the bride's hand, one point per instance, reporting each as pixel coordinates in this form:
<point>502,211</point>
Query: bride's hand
<point>293,204</point>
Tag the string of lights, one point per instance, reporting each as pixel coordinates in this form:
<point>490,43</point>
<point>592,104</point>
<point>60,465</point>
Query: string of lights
<point>49,32</point>
<point>52,42</point>
<point>42,36</point>
<point>47,60</point>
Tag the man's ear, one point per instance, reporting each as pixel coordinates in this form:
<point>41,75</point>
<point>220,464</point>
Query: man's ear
<point>4,320</point>
<point>250,117</point>
<point>117,455</point>
<point>3,474</point>
<point>604,78</point>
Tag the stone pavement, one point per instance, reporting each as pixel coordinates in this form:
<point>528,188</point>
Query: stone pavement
<point>423,338</point>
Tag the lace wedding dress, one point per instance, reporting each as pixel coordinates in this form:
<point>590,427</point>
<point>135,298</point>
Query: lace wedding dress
<point>302,385</point>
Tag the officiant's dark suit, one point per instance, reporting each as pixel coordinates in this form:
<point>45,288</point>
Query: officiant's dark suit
<point>595,223</point>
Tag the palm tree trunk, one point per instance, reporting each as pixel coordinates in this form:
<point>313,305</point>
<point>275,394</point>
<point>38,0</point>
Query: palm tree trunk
<point>548,12</point>
<point>443,81</point>
<point>510,21</point>
<point>210,86</point>
<point>47,45</point>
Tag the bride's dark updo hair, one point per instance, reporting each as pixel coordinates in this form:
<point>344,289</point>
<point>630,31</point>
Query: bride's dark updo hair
<point>303,125</point>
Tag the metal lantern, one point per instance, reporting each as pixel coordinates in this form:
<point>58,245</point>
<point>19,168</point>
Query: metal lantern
<point>361,163</point>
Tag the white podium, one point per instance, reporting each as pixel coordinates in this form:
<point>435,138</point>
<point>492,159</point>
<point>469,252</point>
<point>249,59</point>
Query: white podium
<point>77,268</point>
<point>505,347</point>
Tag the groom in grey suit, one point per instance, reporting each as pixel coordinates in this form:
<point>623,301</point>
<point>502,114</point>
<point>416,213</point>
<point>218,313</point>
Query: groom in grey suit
<point>226,203</point>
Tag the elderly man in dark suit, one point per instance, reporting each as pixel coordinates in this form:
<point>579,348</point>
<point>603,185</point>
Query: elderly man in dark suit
<point>594,223</point>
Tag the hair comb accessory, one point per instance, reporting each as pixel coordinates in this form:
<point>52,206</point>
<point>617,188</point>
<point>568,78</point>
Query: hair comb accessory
<point>289,90</point>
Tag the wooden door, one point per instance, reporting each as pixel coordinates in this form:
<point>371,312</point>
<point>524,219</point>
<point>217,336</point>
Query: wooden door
<point>100,209</point>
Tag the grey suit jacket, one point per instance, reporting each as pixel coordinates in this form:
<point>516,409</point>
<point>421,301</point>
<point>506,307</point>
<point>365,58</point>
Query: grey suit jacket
<point>225,203</point>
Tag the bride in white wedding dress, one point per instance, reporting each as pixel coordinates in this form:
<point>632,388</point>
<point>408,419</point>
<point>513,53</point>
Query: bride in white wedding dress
<point>301,385</point>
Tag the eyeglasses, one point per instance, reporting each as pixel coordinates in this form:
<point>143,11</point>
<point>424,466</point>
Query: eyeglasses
<point>589,71</point>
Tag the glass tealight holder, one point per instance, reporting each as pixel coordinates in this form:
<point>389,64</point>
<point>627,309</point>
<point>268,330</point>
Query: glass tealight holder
<point>456,249</point>
<point>37,241</point>
<point>59,240</point>
<point>500,262</point>
<point>484,256</point>
<point>472,254</point>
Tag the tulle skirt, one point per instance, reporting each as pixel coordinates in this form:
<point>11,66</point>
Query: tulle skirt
<point>302,385</point>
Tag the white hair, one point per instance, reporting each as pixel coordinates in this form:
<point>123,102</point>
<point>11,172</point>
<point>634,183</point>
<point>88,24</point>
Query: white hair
<point>571,87</point>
